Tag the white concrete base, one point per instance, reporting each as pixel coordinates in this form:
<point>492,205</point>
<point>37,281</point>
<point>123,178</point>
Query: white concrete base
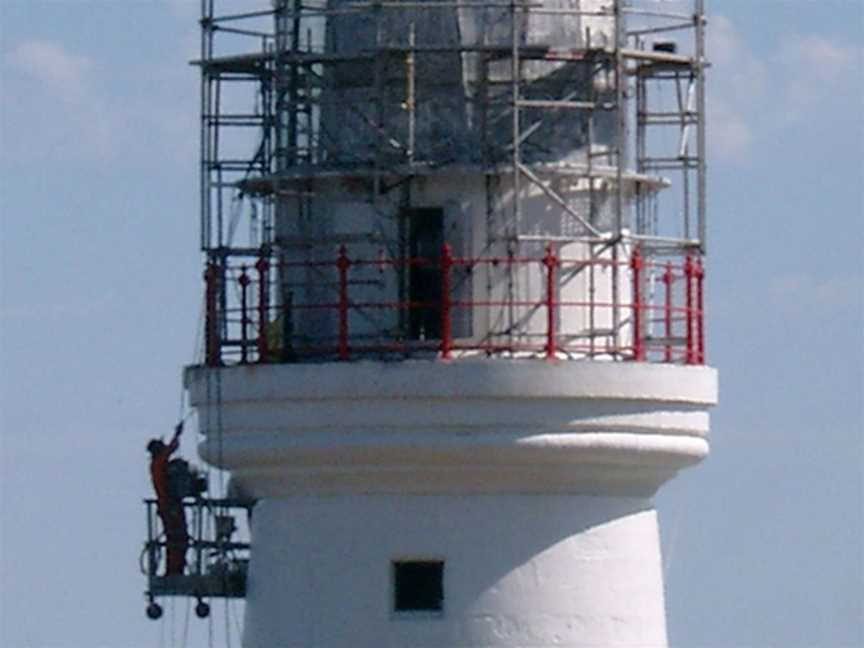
<point>525,571</point>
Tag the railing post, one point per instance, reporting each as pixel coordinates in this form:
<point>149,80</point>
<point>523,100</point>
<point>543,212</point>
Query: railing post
<point>636,265</point>
<point>446,261</point>
<point>262,266</point>
<point>343,263</point>
<point>688,291</point>
<point>244,281</point>
<point>199,530</point>
<point>550,261</point>
<point>668,279</point>
<point>151,541</point>
<point>211,323</point>
<point>700,312</point>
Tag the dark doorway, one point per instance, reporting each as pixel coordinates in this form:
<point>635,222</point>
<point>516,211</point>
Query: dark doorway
<point>425,238</point>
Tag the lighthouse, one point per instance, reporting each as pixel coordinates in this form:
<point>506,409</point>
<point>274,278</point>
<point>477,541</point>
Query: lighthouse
<point>454,332</point>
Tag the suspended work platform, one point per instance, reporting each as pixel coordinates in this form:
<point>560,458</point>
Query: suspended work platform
<point>216,561</point>
<point>229,584</point>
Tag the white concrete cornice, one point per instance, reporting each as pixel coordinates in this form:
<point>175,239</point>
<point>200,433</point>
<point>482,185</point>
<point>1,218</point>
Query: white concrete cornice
<point>449,427</point>
<point>496,378</point>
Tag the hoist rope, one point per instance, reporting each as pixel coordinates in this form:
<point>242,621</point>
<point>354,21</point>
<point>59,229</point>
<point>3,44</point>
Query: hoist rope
<point>214,401</point>
<point>219,431</point>
<point>162,632</point>
<point>171,627</point>
<point>236,214</point>
<point>198,354</point>
<point>210,631</point>
<point>181,414</point>
<point>184,411</point>
<point>235,618</point>
<point>186,623</point>
<point>227,625</point>
<point>674,528</point>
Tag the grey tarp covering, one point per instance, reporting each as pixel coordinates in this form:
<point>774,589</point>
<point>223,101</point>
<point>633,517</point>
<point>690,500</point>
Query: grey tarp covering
<point>458,117</point>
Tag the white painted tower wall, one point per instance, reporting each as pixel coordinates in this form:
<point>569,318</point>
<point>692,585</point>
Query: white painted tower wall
<point>476,224</point>
<point>532,481</point>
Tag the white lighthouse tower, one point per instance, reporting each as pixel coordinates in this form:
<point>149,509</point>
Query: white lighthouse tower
<point>454,333</point>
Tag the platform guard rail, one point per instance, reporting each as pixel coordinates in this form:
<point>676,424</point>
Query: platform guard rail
<point>216,564</point>
<point>665,313</point>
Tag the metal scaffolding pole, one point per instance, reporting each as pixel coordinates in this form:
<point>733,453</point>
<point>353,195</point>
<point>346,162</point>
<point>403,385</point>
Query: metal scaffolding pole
<point>387,127</point>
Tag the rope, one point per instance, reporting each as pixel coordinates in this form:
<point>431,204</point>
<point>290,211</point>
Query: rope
<point>186,622</point>
<point>674,529</point>
<point>214,398</point>
<point>237,623</point>
<point>172,626</point>
<point>210,631</point>
<point>198,344</point>
<point>180,417</point>
<point>236,213</point>
<point>162,632</point>
<point>219,431</point>
<point>227,626</point>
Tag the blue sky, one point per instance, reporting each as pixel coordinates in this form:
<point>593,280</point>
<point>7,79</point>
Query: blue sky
<point>100,297</point>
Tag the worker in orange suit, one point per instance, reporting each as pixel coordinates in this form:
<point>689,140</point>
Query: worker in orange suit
<point>169,506</point>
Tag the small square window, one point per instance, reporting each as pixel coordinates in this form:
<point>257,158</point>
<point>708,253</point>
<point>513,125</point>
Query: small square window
<point>418,586</point>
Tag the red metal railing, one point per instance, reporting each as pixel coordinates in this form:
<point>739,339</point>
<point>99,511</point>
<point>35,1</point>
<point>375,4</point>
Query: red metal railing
<point>664,296</point>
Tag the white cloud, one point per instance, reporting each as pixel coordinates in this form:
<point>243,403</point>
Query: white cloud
<point>69,107</point>
<point>187,12</point>
<point>59,108</point>
<point>820,59</point>
<point>806,292</point>
<point>731,135</point>
<point>737,80</point>
<point>736,66</point>
<point>816,70</point>
<point>184,8</point>
<point>50,64</point>
<point>752,94</point>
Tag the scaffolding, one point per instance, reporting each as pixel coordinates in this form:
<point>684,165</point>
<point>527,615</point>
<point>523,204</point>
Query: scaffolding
<point>595,108</point>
